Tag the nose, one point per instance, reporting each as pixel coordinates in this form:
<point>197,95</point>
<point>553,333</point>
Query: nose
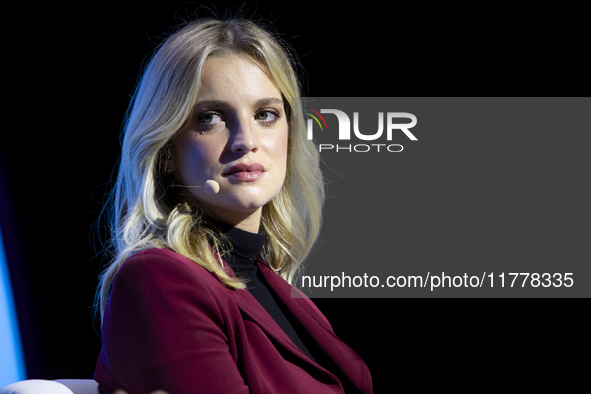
<point>243,138</point>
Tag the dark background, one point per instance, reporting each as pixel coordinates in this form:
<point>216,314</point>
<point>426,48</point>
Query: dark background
<point>71,72</point>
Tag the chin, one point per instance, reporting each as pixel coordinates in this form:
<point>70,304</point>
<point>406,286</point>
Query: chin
<point>242,204</point>
<point>252,197</point>
<point>249,205</point>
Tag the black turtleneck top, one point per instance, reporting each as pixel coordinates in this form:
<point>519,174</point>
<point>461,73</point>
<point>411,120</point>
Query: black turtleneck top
<point>242,259</point>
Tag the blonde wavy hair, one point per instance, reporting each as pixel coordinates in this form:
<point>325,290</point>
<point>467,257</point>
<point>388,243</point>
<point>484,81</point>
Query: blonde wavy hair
<point>144,213</point>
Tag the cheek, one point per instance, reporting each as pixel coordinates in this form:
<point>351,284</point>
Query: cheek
<point>277,146</point>
<point>279,157</point>
<point>195,159</point>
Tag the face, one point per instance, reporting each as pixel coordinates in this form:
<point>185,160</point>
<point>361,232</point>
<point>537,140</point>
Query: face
<point>237,136</point>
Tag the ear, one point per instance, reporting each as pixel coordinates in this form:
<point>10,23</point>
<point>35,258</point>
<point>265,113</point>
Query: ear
<point>170,166</point>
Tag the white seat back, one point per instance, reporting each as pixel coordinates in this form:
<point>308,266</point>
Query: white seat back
<point>61,386</point>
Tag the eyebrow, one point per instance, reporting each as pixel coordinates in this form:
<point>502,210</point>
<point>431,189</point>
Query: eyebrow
<point>268,101</point>
<point>224,104</point>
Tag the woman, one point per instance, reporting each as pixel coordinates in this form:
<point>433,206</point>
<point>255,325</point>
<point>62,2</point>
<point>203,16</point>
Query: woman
<point>211,222</point>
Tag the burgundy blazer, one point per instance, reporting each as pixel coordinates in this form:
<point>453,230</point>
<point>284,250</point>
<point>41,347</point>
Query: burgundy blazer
<point>170,324</point>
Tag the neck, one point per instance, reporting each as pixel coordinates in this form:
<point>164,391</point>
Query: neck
<point>250,222</point>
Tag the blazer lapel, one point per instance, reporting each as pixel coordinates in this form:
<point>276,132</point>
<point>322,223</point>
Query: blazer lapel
<point>258,314</point>
<point>255,311</point>
<point>351,365</point>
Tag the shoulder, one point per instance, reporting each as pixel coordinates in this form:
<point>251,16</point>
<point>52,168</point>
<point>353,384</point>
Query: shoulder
<point>156,261</point>
<point>161,285</point>
<point>156,257</point>
<point>164,270</point>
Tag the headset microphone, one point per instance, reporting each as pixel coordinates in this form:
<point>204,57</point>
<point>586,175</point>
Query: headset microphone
<point>209,187</point>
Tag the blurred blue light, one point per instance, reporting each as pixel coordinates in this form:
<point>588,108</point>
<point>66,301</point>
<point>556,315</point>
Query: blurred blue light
<point>12,363</point>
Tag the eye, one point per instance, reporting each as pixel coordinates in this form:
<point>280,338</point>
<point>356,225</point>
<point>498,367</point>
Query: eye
<point>209,118</point>
<point>267,116</point>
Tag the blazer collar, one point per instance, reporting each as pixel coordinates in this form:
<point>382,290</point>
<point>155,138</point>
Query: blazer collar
<point>251,307</point>
<point>344,358</point>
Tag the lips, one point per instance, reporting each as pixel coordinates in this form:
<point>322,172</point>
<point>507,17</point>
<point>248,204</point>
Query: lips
<point>254,167</point>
